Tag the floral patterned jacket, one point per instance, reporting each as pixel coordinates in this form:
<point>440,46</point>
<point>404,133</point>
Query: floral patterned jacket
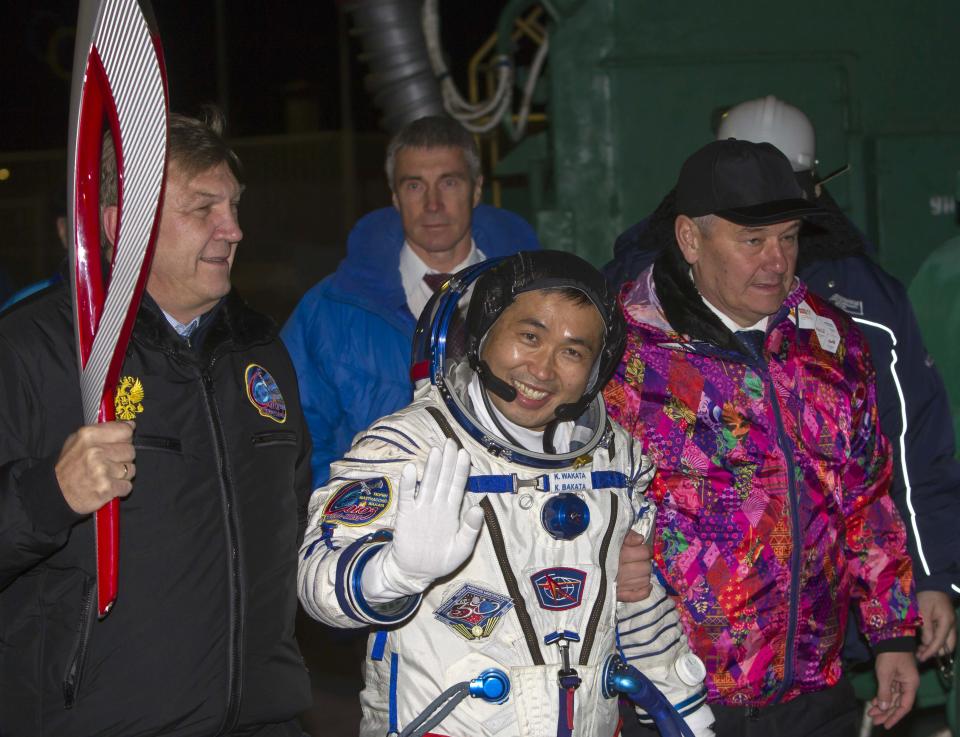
<point>773,493</point>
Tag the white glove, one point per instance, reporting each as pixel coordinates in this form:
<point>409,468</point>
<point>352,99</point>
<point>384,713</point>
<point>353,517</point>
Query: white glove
<point>430,539</point>
<point>701,722</point>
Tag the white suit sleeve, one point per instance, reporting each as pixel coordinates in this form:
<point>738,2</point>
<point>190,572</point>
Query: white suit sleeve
<point>651,639</point>
<point>350,519</point>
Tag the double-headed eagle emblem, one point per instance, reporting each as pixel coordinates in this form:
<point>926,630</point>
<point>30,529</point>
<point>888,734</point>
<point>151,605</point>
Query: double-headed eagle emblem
<point>128,399</point>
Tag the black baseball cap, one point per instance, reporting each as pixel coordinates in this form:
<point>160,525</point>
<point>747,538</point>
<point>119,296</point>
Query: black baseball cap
<point>743,182</point>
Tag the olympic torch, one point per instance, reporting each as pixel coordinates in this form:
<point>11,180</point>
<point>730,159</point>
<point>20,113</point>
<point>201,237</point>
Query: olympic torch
<point>119,84</point>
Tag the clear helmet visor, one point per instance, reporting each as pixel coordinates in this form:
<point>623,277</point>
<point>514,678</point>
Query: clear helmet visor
<point>440,357</point>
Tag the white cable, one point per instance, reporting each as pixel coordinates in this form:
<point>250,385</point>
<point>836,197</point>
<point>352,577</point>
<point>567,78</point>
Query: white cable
<point>492,122</point>
<point>528,89</point>
<point>454,102</point>
<point>500,103</point>
<point>429,20</point>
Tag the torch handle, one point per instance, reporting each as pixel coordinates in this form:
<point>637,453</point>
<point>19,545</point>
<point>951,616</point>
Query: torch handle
<point>107,521</point>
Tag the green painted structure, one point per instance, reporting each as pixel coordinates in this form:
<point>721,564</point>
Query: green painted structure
<point>935,294</point>
<point>635,86</point>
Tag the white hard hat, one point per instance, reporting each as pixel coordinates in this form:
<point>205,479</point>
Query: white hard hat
<point>769,120</point>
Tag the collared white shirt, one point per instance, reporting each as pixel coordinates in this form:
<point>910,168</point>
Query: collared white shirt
<point>731,325</point>
<point>412,270</point>
<point>184,330</point>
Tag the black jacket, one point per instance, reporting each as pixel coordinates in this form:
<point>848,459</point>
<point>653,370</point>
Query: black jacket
<point>201,639</point>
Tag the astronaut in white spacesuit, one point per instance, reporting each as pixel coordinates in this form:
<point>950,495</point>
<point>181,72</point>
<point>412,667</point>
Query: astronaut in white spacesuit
<point>476,531</point>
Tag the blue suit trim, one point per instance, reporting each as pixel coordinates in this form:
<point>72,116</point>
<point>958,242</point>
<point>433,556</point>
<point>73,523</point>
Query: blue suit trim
<point>379,645</point>
<point>348,586</point>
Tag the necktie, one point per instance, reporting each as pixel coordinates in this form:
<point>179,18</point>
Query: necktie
<point>456,333</point>
<point>752,342</point>
<point>435,281</point>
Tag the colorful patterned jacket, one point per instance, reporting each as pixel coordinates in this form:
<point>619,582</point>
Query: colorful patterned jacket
<point>773,489</point>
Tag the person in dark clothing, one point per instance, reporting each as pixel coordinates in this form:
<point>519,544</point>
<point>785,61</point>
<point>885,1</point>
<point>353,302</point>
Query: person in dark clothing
<point>7,287</point>
<point>8,298</point>
<point>210,456</point>
<point>835,261</point>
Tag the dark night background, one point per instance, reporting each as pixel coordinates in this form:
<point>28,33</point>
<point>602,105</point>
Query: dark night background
<point>274,51</point>
<point>297,114</point>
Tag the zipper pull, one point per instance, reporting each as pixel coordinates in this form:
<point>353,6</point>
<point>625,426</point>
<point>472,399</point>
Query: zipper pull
<point>567,677</point>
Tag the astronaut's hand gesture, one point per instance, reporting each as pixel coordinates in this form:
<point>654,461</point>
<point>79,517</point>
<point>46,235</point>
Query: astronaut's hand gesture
<point>430,538</point>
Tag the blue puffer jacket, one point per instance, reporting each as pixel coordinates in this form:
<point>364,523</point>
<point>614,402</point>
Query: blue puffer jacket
<point>351,334</point>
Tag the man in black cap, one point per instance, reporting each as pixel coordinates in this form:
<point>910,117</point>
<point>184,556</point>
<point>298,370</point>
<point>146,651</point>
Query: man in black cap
<point>757,401</point>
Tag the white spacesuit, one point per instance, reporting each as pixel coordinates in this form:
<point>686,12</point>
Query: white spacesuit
<point>510,584</point>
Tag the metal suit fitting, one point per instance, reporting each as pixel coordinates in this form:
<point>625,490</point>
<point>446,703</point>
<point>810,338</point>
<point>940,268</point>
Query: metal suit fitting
<point>493,686</point>
<point>565,516</point>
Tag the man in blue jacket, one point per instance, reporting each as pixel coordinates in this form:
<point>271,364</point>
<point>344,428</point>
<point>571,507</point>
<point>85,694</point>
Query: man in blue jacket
<point>914,410</point>
<point>350,336</point>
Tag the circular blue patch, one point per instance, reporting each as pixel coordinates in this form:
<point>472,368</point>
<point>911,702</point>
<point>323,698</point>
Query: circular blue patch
<point>264,394</point>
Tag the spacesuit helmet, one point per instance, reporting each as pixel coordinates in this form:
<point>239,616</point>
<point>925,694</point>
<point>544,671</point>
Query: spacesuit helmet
<point>529,271</point>
<point>455,325</point>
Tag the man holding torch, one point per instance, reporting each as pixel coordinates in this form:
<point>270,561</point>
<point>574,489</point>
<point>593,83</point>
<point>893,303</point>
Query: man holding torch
<point>211,458</point>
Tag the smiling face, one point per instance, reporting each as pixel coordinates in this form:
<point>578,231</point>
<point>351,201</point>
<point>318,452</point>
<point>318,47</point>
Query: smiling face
<point>435,195</point>
<point>746,272</point>
<point>196,242</point>
<point>544,345</point>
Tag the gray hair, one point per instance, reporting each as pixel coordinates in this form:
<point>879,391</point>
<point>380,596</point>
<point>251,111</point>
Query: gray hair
<point>194,144</point>
<point>705,223</point>
<point>434,131</point>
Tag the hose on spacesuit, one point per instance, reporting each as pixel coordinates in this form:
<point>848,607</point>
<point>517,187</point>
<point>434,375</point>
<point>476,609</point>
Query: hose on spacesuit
<point>493,686</point>
<point>437,710</point>
<point>622,678</point>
